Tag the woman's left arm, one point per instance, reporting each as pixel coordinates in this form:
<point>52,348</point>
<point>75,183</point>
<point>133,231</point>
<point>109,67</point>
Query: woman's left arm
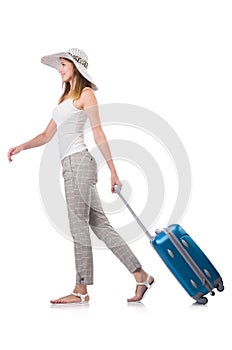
<point>90,105</point>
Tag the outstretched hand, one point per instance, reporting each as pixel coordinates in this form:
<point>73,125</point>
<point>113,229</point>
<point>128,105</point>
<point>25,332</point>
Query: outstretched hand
<point>12,151</point>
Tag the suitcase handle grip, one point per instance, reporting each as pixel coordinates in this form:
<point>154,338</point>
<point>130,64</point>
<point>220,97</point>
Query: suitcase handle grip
<point>118,191</point>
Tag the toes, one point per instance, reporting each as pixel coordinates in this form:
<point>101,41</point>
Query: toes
<point>54,301</point>
<point>66,300</point>
<point>140,291</point>
<point>131,300</point>
<point>57,301</point>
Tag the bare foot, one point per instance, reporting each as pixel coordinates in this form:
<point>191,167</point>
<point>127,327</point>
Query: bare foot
<point>70,299</point>
<point>141,289</point>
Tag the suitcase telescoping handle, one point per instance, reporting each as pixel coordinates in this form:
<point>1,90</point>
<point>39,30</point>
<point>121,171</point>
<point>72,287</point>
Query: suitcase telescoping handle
<point>118,191</point>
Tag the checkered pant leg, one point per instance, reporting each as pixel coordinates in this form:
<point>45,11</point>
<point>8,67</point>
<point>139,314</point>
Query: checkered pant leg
<point>105,232</point>
<point>84,210</point>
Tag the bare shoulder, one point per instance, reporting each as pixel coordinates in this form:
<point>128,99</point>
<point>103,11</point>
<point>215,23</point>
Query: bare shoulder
<point>88,97</point>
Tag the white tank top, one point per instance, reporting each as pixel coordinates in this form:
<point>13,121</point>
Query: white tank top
<point>70,123</point>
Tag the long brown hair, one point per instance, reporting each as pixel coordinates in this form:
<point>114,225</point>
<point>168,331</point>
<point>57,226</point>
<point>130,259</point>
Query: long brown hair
<point>78,84</point>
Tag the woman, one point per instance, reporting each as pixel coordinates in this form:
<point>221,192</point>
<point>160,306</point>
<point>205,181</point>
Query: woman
<point>76,104</point>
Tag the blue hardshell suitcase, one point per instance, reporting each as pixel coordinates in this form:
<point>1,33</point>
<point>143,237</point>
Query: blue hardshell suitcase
<point>184,258</point>
<point>187,262</point>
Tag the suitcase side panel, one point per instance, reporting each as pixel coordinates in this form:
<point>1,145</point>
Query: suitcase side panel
<point>197,254</point>
<point>180,268</point>
<point>177,265</point>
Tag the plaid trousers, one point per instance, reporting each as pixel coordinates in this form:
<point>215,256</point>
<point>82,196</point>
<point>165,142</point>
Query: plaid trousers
<point>84,210</point>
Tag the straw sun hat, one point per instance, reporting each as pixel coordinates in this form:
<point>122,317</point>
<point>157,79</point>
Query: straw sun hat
<point>78,57</point>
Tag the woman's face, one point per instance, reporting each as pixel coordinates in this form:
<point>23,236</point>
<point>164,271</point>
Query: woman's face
<point>66,70</point>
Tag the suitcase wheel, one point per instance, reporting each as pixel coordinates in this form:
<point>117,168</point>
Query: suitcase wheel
<point>202,301</point>
<point>220,287</point>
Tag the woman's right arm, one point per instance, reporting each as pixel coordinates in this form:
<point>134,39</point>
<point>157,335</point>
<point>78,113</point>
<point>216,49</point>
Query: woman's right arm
<point>37,141</point>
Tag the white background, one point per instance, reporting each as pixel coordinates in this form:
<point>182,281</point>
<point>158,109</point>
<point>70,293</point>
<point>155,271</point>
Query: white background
<point>172,57</point>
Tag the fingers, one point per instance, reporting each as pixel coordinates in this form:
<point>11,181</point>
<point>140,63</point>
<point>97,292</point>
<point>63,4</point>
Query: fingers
<point>118,183</point>
<point>10,153</point>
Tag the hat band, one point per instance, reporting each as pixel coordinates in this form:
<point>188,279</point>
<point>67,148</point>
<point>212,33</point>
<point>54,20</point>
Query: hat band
<point>79,60</point>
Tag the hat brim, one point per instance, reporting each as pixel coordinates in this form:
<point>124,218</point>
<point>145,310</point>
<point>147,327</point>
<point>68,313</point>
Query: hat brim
<point>54,62</point>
